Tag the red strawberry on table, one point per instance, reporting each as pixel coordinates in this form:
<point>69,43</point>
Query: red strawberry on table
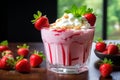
<point>106,68</point>
<point>7,62</point>
<point>22,65</point>
<point>100,45</point>
<point>40,21</point>
<point>23,50</point>
<point>3,45</point>
<point>91,18</point>
<point>36,58</point>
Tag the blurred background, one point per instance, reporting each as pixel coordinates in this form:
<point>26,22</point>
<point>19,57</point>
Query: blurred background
<point>16,16</point>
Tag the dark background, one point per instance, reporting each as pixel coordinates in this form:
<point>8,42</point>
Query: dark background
<point>16,16</point>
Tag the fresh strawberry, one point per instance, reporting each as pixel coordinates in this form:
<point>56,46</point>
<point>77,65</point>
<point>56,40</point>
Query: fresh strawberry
<point>23,66</point>
<point>36,58</point>
<point>91,18</point>
<point>112,49</point>
<point>40,21</point>
<point>3,45</point>
<point>7,62</point>
<point>106,68</point>
<point>23,50</point>
<point>100,45</point>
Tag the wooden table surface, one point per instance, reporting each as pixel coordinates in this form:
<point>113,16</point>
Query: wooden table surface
<point>42,73</point>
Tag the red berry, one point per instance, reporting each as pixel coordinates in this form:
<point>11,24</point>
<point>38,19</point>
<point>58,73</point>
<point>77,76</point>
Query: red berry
<point>3,45</point>
<point>23,50</point>
<point>100,46</point>
<point>106,68</point>
<point>112,49</point>
<point>36,59</point>
<point>91,18</point>
<point>6,62</point>
<point>41,22</point>
<point>23,66</point>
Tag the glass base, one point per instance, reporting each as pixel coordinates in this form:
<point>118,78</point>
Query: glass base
<point>77,69</point>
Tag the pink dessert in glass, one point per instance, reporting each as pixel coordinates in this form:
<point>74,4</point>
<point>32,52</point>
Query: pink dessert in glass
<point>68,40</point>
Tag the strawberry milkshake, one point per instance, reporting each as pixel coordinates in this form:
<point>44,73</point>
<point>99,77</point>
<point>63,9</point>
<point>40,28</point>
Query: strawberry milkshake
<point>68,40</point>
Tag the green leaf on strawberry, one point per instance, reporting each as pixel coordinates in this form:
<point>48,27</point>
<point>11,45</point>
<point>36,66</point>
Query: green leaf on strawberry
<point>23,46</point>
<point>40,53</point>
<point>106,67</point>
<point>79,11</point>
<point>36,16</point>
<point>40,21</point>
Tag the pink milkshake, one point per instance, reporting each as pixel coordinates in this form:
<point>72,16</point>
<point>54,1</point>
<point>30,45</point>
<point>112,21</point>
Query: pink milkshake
<point>68,40</point>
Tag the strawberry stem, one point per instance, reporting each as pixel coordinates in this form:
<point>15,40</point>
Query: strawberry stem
<point>109,61</point>
<point>40,53</point>
<point>99,40</point>
<point>36,16</point>
<point>23,46</point>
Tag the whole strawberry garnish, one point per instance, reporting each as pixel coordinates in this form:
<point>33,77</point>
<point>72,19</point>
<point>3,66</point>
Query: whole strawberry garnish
<point>3,45</point>
<point>23,50</point>
<point>100,45</point>
<point>91,18</point>
<point>83,11</point>
<point>36,58</point>
<point>22,65</point>
<point>106,68</point>
<point>40,21</point>
<point>112,49</point>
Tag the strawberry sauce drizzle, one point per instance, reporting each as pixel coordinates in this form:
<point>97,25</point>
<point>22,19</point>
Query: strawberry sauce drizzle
<point>70,61</point>
<point>63,54</point>
<point>72,36</point>
<point>85,50</point>
<point>50,53</point>
<point>75,58</point>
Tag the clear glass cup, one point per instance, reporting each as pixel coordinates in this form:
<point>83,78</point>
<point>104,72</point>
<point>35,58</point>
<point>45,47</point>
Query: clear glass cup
<point>67,51</point>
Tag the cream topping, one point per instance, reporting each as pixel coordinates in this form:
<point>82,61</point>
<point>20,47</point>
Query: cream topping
<point>68,21</point>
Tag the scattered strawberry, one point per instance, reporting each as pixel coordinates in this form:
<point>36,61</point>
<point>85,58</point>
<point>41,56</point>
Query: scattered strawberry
<point>7,62</point>
<point>23,50</point>
<point>100,45</point>
<point>91,18</point>
<point>40,21</point>
<point>22,65</point>
<point>3,45</point>
<point>36,58</point>
<point>112,48</point>
<point>106,68</point>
